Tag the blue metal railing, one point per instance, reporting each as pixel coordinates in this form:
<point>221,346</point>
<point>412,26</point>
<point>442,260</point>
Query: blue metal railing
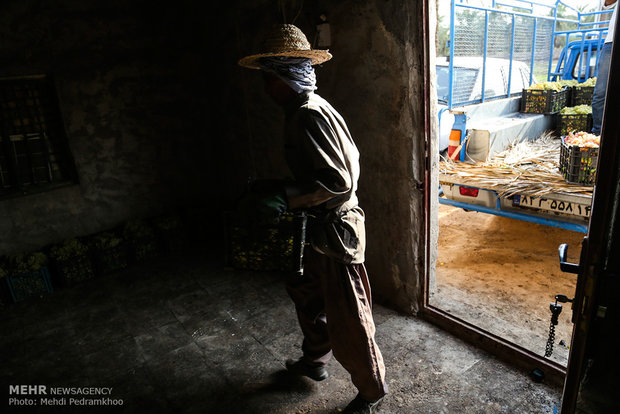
<point>533,50</point>
<point>524,10</point>
<point>527,9</point>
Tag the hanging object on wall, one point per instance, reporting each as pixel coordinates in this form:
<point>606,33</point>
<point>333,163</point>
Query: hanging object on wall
<point>323,33</point>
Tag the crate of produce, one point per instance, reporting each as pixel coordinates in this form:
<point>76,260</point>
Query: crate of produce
<point>145,248</point>
<point>109,253</point>
<point>582,93</point>
<point>544,101</point>
<point>71,263</point>
<point>29,284</point>
<point>579,157</point>
<point>27,276</point>
<point>74,270</point>
<point>170,233</point>
<point>570,84</point>
<point>142,238</point>
<point>273,247</point>
<point>574,119</point>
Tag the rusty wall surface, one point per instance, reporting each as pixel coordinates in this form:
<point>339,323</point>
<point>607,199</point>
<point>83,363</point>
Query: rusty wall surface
<point>131,93</point>
<point>375,82</point>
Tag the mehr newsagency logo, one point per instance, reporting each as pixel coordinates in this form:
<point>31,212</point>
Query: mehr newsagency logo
<point>42,395</point>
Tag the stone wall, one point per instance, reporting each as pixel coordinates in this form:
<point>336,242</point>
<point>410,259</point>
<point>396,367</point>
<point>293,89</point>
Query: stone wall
<point>130,84</point>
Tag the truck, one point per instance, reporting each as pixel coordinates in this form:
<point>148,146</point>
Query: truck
<point>567,211</point>
<point>483,126</point>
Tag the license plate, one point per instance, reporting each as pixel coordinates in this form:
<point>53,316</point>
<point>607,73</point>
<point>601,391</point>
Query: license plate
<point>542,203</point>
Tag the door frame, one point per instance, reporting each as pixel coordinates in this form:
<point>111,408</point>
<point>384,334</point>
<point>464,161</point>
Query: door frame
<point>593,267</point>
<point>516,355</point>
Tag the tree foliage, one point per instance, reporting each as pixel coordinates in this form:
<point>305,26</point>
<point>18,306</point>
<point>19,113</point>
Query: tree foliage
<point>473,22</point>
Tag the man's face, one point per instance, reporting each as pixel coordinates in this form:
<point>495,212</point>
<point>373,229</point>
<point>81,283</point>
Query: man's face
<point>276,88</point>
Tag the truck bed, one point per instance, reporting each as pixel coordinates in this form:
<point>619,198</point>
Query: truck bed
<point>568,211</point>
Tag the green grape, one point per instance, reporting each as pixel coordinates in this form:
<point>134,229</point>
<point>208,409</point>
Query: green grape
<point>577,110</point>
<point>589,82</point>
<point>568,82</point>
<point>556,86</point>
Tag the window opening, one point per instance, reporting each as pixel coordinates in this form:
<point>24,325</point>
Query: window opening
<point>33,148</point>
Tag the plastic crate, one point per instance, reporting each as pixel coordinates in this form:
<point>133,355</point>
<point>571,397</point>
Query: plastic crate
<point>277,247</point>
<point>171,240</point>
<point>30,284</point>
<point>573,122</point>
<point>544,101</point>
<point>581,95</point>
<point>578,164</point>
<point>111,259</point>
<point>170,232</point>
<point>145,248</point>
<point>74,270</point>
<point>142,239</point>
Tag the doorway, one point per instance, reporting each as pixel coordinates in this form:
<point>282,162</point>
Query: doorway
<point>491,280</point>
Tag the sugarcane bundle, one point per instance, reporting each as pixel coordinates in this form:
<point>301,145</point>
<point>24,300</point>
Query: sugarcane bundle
<point>527,168</point>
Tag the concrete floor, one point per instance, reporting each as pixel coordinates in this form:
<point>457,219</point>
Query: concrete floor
<point>183,334</point>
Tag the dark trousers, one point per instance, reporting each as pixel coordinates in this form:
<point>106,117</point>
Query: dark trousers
<point>333,304</point>
<point>600,88</point>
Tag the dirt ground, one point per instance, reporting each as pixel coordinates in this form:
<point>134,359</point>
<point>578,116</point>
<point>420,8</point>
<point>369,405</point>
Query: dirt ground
<point>501,274</point>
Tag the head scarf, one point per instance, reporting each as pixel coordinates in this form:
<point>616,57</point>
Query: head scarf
<point>297,73</point>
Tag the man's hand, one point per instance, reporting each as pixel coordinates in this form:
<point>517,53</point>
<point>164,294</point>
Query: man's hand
<point>270,207</point>
<point>264,203</point>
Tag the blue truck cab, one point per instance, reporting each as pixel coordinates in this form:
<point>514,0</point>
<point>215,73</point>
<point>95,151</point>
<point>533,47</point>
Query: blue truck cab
<point>578,60</point>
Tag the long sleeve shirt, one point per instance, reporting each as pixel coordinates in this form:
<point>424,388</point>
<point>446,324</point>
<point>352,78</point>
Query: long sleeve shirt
<point>324,160</point>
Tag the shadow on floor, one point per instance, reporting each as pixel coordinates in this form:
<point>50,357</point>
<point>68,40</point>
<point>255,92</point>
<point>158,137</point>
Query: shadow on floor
<point>183,334</point>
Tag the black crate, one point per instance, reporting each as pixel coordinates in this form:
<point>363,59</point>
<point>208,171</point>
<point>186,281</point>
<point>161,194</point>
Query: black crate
<point>109,252</point>
<point>170,232</point>
<point>581,95</point>
<point>145,248</point>
<point>275,247</point>
<point>172,240</point>
<point>573,122</point>
<point>544,101</point>
<point>142,238</point>
<point>73,270</point>
<point>578,164</point>
<point>111,259</point>
<point>29,284</point>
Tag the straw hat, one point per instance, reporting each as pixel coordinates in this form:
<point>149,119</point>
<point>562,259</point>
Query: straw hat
<point>286,40</point>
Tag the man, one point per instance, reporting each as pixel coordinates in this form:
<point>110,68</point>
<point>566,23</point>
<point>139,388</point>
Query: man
<point>332,298</point>
<point>600,89</point>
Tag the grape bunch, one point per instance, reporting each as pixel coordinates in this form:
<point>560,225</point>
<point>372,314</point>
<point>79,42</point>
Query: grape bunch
<point>577,110</point>
<point>555,86</point>
<point>589,82</point>
<point>568,82</point>
<point>574,118</point>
